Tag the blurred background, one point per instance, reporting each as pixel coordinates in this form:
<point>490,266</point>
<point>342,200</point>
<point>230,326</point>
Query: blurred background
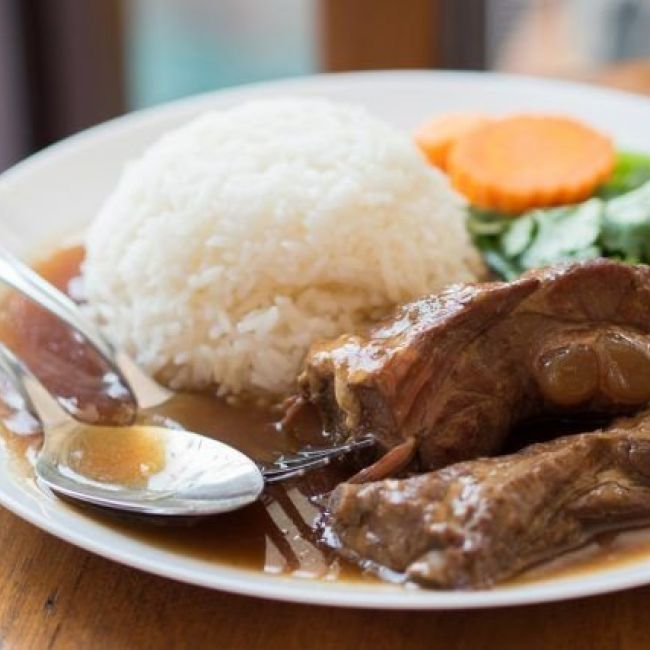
<point>68,64</point>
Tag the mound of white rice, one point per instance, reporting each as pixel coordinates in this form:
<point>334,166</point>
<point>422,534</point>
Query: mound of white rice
<point>238,239</point>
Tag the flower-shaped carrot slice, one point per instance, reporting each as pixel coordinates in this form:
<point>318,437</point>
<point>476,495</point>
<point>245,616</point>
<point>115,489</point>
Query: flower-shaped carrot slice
<point>437,137</point>
<point>527,161</point>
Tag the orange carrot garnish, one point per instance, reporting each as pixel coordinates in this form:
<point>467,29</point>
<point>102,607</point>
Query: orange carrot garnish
<point>437,137</point>
<point>527,161</point>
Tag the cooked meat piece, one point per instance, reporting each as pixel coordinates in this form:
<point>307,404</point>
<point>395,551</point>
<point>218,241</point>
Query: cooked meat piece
<point>459,370</point>
<point>481,521</point>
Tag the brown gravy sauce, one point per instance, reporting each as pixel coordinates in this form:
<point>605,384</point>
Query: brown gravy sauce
<point>277,535</point>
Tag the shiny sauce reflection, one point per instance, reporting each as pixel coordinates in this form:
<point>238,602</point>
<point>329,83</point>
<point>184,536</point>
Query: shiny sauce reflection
<point>119,456</point>
<point>277,535</point>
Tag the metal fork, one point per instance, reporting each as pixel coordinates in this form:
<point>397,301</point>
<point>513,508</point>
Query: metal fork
<point>311,458</point>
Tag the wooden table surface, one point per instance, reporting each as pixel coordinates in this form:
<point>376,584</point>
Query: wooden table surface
<point>54,595</point>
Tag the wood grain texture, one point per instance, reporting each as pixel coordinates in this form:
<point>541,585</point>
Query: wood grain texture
<point>53,595</point>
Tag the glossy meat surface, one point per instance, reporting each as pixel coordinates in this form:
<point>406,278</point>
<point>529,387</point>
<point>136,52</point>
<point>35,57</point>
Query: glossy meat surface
<point>477,522</point>
<point>458,371</point>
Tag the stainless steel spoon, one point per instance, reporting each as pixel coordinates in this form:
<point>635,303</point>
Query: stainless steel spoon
<point>147,470</point>
<point>141,469</point>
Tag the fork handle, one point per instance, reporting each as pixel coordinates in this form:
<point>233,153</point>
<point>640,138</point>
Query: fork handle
<point>309,459</point>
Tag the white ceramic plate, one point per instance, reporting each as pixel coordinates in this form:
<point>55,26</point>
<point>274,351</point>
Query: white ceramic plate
<point>58,191</point>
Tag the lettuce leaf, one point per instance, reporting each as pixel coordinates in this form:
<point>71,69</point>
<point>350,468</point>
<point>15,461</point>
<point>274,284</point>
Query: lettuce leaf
<point>614,223</point>
<point>626,225</point>
<point>630,172</point>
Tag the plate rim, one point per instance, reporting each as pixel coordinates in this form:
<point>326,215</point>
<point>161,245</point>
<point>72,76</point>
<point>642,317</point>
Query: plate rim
<point>283,588</point>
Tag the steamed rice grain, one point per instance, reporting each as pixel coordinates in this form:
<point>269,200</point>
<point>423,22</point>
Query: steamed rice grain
<point>238,239</point>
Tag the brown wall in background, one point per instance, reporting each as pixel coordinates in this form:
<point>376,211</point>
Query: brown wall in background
<point>14,136</point>
<point>376,34</point>
<point>372,34</point>
<point>73,58</point>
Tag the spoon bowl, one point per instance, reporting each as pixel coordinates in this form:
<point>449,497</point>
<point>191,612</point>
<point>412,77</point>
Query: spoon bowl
<point>147,470</point>
<point>167,472</point>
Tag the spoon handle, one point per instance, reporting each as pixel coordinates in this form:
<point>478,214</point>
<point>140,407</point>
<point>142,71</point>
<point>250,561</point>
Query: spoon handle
<point>22,278</point>
<point>145,391</point>
<point>37,400</point>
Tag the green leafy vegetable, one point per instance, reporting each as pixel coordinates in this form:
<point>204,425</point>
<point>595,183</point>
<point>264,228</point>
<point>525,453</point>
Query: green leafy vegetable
<point>626,225</point>
<point>484,222</point>
<point>615,223</point>
<point>496,260</point>
<point>516,238</point>
<point>563,235</point>
<point>631,171</point>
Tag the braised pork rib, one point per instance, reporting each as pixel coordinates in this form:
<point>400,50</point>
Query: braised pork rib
<point>459,370</point>
<point>481,521</point>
